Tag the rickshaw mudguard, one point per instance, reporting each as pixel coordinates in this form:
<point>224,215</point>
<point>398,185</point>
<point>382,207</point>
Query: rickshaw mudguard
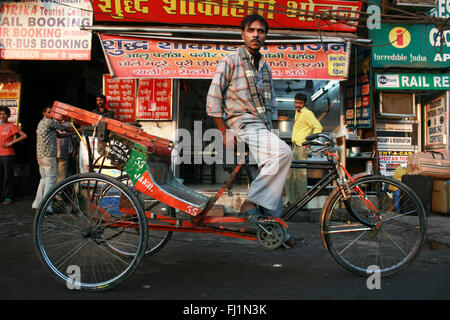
<point>155,179</point>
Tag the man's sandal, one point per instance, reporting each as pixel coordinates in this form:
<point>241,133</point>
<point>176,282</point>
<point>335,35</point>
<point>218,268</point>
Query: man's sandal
<point>254,216</point>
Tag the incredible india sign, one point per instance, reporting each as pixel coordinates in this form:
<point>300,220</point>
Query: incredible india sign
<point>153,58</point>
<point>413,46</point>
<point>325,15</point>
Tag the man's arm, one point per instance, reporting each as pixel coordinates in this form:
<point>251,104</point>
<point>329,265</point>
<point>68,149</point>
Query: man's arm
<point>227,137</point>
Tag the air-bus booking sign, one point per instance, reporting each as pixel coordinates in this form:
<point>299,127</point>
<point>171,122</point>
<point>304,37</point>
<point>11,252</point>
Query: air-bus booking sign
<point>149,58</point>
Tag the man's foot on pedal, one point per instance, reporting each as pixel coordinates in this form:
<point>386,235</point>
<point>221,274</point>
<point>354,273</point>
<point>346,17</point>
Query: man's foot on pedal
<point>254,216</point>
<point>251,212</point>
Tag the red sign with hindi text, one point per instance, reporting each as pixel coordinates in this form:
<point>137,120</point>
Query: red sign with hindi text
<point>121,97</point>
<point>328,15</point>
<point>152,58</point>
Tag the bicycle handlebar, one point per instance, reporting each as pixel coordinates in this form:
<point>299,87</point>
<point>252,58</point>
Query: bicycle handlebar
<point>314,140</point>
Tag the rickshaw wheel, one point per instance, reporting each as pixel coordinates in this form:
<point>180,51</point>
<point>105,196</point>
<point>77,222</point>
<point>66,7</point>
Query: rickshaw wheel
<point>79,222</point>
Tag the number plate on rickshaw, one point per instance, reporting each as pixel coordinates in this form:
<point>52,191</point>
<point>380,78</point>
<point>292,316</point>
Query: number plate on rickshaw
<point>118,150</point>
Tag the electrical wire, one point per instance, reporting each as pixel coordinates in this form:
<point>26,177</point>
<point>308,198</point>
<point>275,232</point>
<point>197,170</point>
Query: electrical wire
<point>327,20</point>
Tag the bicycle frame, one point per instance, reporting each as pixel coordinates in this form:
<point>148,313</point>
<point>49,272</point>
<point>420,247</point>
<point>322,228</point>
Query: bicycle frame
<point>200,222</point>
<point>204,224</point>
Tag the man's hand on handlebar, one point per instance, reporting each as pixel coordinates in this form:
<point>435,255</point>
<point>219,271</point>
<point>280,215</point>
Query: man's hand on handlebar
<point>229,139</point>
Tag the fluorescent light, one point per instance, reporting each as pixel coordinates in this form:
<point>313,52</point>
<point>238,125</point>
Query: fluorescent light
<point>323,90</point>
<point>317,94</point>
<point>281,99</point>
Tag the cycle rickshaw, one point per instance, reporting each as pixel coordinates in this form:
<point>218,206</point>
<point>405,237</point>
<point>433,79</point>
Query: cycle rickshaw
<point>105,226</point>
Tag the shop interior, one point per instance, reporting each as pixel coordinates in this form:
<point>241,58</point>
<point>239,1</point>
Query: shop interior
<point>192,100</point>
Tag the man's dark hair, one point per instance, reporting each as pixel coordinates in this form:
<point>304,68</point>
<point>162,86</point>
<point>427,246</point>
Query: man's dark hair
<point>252,18</point>
<point>301,96</point>
<point>101,96</point>
<point>46,107</point>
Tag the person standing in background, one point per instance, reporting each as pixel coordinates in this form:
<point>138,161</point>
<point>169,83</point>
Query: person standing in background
<point>100,102</point>
<point>9,135</point>
<point>64,151</point>
<point>46,152</point>
<point>305,124</point>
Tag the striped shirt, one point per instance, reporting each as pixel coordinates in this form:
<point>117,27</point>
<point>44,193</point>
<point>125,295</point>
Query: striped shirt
<point>229,96</point>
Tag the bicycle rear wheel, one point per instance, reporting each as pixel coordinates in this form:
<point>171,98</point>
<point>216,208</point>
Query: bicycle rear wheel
<point>84,227</point>
<point>388,247</point>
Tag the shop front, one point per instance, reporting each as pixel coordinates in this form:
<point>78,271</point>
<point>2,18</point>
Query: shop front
<point>412,84</point>
<point>168,69</point>
<point>162,85</point>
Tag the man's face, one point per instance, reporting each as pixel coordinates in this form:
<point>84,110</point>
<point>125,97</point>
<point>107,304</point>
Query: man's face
<point>254,36</point>
<point>299,104</point>
<point>100,102</point>
<point>47,113</point>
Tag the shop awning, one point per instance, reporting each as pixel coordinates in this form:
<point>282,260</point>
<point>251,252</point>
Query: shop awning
<point>170,57</point>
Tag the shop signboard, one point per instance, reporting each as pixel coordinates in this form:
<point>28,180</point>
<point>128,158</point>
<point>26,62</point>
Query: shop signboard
<point>10,86</point>
<point>412,81</point>
<point>410,45</point>
<point>139,99</point>
<point>325,15</point>
<point>154,99</point>
<point>121,97</point>
<point>45,30</point>
<point>436,119</point>
<point>152,58</point>
<point>399,141</point>
<point>389,160</point>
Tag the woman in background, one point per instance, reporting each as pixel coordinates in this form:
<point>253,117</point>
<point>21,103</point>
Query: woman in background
<point>9,135</point>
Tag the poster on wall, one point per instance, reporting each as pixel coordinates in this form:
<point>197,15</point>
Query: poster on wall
<point>154,99</point>
<point>121,97</point>
<point>130,57</point>
<point>389,160</point>
<point>436,119</point>
<point>358,106</point>
<point>10,86</point>
<point>45,30</point>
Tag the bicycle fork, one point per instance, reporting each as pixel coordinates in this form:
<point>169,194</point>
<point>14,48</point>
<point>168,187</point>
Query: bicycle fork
<point>344,188</point>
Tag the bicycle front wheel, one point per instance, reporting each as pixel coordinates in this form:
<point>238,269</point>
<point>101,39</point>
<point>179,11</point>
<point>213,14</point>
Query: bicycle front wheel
<point>84,227</point>
<point>398,229</point>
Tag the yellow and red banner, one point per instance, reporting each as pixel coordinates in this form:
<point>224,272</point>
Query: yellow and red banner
<point>152,58</point>
<point>326,15</point>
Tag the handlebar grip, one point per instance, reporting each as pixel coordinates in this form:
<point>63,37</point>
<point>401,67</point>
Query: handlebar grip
<point>313,136</point>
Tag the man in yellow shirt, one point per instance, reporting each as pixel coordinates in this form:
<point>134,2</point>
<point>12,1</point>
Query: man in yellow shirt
<point>305,124</point>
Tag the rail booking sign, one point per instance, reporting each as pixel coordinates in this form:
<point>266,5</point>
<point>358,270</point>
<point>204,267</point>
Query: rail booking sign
<point>36,30</point>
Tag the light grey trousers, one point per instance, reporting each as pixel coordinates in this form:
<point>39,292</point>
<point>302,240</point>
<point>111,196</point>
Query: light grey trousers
<point>274,158</point>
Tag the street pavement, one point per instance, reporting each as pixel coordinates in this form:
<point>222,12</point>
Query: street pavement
<point>208,267</point>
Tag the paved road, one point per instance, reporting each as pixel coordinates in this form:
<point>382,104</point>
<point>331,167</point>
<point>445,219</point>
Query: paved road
<point>193,267</point>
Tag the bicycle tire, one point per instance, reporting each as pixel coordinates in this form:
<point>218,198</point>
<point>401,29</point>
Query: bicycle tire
<point>88,213</point>
<point>156,239</point>
<point>387,249</point>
